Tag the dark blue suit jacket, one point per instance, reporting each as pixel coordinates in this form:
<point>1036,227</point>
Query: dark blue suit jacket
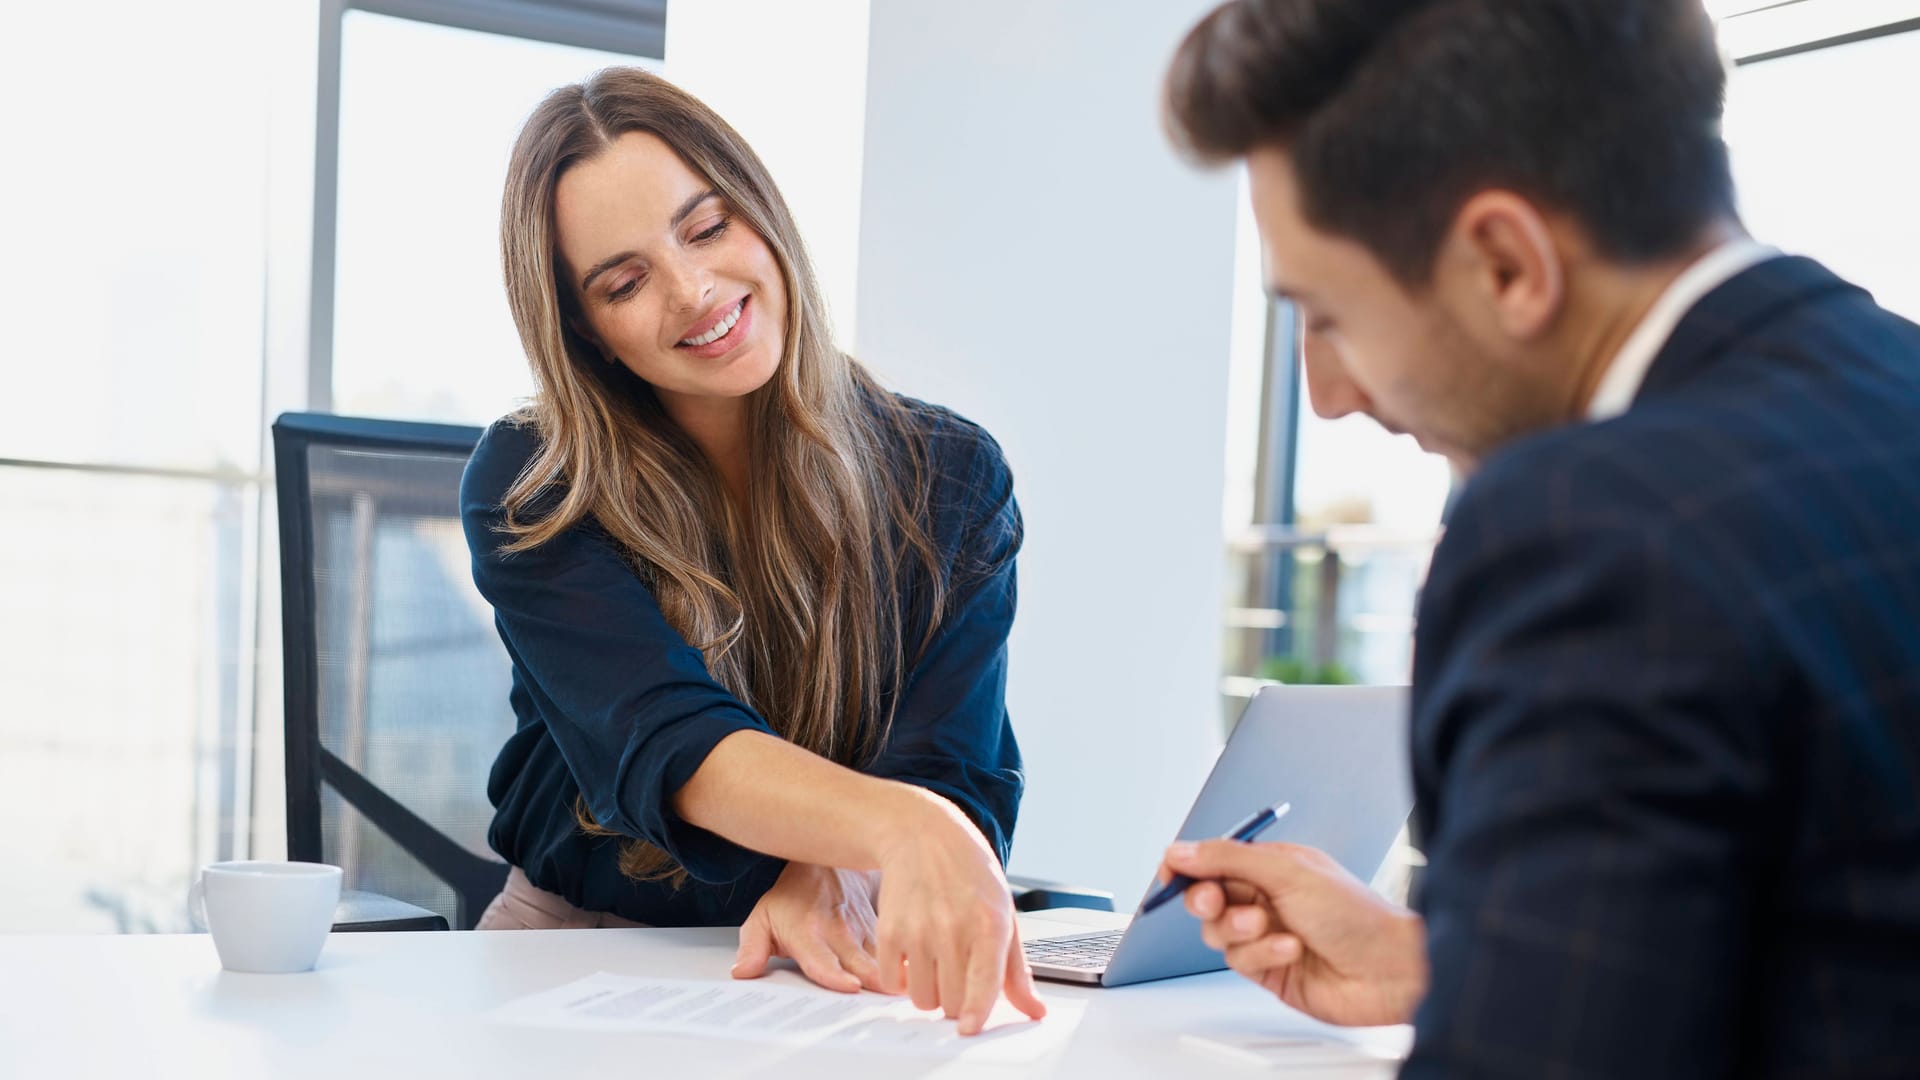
<point>1666,725</point>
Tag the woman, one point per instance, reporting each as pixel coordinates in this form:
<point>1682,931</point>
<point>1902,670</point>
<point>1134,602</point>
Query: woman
<point>757,606</point>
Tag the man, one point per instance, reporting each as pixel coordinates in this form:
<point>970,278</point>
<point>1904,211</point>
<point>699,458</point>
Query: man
<point>1666,719</point>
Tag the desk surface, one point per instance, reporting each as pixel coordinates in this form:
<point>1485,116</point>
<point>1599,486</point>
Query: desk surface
<point>411,1006</point>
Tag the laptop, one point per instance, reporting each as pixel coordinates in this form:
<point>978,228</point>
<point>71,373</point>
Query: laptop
<point>1337,753</point>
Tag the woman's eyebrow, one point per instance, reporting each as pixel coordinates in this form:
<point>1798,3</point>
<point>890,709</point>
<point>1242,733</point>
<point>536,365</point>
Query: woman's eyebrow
<point>686,211</point>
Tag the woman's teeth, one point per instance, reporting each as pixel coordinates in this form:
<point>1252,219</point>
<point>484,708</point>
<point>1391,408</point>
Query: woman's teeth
<point>720,329</point>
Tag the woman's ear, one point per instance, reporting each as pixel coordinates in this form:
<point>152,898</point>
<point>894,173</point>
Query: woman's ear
<point>585,333</point>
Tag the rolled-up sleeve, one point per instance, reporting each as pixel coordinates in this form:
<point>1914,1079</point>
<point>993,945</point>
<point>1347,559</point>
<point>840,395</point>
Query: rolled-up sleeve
<point>951,731</point>
<point>629,703</point>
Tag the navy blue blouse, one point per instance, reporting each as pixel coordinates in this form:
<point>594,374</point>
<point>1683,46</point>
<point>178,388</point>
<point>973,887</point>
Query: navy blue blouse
<point>615,706</point>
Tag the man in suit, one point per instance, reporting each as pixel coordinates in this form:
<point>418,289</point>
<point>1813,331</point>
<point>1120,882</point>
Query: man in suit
<point>1666,719</point>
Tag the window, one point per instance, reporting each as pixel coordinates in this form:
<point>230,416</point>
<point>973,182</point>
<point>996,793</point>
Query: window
<point>130,460</point>
<point>138,635</point>
<point>1330,523</point>
<point>427,117</point>
<point>135,325</point>
<point>1325,576</point>
<point>1822,161</point>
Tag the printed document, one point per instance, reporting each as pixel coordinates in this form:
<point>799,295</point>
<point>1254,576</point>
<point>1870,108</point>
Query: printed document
<point>767,1012</point>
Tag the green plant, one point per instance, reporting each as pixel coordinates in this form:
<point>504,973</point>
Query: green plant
<point>1297,672</point>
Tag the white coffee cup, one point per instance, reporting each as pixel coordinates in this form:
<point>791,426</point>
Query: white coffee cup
<point>267,917</point>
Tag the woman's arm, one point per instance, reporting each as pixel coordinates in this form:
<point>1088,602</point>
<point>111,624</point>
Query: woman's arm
<point>765,793</point>
<point>628,703</point>
<point>937,817</point>
<point>951,737</point>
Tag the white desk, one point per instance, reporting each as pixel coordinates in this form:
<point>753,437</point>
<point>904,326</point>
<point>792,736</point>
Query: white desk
<point>411,1006</point>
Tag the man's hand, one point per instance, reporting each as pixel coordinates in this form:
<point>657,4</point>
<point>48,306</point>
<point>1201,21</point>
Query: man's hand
<point>821,918</point>
<point>1291,919</point>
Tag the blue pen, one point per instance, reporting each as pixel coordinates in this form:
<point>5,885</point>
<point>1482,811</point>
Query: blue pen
<point>1243,832</point>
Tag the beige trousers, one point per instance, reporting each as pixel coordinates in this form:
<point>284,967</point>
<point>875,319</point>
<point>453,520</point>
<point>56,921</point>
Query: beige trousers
<point>522,905</point>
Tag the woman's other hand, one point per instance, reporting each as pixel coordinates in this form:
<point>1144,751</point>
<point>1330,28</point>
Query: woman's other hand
<point>820,918</point>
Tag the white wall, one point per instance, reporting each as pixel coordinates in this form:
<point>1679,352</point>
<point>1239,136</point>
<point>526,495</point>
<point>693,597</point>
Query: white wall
<point>1034,256</point>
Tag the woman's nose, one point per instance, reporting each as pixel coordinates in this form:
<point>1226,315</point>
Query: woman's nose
<point>689,284</point>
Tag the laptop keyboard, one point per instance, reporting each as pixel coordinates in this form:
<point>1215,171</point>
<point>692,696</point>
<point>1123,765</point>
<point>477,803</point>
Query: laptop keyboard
<point>1088,953</point>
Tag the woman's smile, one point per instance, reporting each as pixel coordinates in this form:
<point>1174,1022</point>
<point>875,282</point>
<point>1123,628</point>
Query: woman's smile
<point>719,332</point>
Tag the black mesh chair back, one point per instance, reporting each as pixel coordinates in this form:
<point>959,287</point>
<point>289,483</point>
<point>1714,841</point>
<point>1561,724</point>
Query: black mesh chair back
<point>396,682</point>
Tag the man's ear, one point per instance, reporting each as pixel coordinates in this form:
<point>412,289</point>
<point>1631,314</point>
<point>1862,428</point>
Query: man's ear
<point>1502,249</point>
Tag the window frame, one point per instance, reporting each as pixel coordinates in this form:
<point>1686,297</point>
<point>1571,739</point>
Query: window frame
<point>635,27</point>
<point>1794,27</point>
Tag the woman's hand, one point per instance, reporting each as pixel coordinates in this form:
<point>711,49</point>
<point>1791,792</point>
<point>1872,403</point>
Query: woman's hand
<point>946,935</point>
<point>820,918</point>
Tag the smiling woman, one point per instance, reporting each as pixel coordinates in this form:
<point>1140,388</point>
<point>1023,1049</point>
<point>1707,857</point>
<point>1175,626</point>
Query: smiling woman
<point>757,605</point>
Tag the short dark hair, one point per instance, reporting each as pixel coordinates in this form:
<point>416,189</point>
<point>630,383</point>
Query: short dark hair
<point>1394,112</point>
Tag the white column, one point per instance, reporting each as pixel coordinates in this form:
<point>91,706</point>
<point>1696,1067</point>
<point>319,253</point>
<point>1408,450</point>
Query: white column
<point>1033,255</point>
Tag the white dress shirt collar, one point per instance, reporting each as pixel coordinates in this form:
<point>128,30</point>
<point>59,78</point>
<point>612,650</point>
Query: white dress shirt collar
<point>1621,383</point>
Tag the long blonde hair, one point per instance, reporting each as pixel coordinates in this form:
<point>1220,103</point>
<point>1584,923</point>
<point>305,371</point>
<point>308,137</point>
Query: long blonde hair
<point>797,599</point>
